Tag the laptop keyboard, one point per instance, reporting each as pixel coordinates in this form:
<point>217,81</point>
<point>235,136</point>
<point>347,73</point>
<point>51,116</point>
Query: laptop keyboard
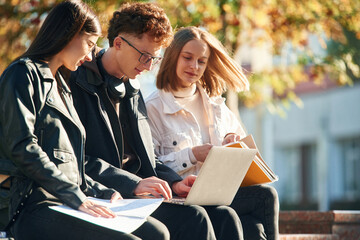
<point>175,200</point>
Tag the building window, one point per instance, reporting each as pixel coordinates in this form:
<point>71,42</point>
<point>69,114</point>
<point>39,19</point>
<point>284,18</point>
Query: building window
<point>296,167</point>
<point>286,167</point>
<point>350,157</point>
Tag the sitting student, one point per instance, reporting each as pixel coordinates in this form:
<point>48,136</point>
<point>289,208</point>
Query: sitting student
<point>188,116</point>
<point>113,113</point>
<point>41,134</point>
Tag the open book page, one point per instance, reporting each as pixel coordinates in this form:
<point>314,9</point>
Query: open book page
<point>259,172</point>
<point>131,213</point>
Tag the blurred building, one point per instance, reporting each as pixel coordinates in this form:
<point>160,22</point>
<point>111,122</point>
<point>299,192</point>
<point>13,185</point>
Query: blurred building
<point>315,150</point>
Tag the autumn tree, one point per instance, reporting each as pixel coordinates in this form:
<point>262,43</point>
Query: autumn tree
<point>20,20</point>
<point>282,23</point>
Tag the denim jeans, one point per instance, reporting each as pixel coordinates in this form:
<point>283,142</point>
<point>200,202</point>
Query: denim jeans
<point>258,209</point>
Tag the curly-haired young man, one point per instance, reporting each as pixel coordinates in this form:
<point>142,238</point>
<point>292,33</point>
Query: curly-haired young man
<point>113,113</point>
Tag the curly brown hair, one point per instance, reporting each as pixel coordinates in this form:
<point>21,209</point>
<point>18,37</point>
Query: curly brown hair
<point>139,18</point>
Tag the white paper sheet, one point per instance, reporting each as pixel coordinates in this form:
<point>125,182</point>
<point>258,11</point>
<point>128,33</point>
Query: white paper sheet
<point>131,213</point>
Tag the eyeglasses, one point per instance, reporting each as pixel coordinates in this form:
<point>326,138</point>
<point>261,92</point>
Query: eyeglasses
<point>144,57</point>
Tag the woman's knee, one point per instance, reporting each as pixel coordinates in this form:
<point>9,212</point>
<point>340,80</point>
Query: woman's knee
<point>270,194</point>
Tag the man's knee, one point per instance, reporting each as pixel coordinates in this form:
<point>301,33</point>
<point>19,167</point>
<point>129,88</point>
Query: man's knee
<point>227,212</point>
<point>153,229</point>
<point>198,213</point>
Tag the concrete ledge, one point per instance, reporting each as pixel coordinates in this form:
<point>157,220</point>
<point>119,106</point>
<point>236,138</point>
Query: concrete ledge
<point>309,237</point>
<point>305,222</point>
<point>345,224</point>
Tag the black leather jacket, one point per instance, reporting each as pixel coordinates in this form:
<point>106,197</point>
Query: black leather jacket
<point>106,133</point>
<point>44,139</point>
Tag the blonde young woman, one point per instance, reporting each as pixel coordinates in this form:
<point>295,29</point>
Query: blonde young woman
<point>188,116</point>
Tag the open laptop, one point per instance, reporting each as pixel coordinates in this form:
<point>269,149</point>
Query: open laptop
<point>219,178</point>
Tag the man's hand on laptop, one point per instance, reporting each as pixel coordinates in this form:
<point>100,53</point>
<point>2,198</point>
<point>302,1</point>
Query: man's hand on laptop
<point>154,186</point>
<point>183,187</point>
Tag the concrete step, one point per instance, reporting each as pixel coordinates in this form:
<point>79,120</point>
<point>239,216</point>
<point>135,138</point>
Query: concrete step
<point>309,237</point>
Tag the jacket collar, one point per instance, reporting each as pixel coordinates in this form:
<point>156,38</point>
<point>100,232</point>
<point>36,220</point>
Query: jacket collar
<point>46,74</point>
<point>93,66</point>
<point>88,76</point>
<point>171,106</point>
<point>44,70</point>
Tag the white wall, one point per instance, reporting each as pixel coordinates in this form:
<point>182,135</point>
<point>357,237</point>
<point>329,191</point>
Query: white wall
<point>326,118</point>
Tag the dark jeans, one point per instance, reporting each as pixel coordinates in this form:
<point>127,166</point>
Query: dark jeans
<point>258,209</point>
<point>199,223</point>
<point>44,224</point>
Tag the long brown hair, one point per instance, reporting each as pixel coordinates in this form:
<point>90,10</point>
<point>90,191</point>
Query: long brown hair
<point>64,21</point>
<point>221,71</point>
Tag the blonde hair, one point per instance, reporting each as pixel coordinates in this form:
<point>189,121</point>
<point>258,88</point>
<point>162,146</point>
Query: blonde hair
<point>222,71</point>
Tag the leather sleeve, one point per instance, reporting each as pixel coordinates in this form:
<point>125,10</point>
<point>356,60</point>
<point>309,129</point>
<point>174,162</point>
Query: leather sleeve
<point>121,180</point>
<point>96,189</point>
<point>166,173</point>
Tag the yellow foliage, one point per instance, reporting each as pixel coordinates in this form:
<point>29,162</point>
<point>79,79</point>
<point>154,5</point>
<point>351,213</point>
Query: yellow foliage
<point>215,26</point>
<point>261,19</point>
<point>281,22</point>
<point>15,2</point>
<point>226,7</point>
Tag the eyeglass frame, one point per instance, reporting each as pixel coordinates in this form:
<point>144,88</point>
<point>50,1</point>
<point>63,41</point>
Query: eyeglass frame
<point>155,60</point>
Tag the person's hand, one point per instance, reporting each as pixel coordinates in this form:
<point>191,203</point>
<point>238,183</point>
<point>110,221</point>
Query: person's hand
<point>116,196</point>
<point>183,187</point>
<point>154,186</point>
<point>96,210</point>
<point>231,137</point>
<point>200,152</point>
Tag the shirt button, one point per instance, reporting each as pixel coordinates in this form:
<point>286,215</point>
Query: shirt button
<point>184,165</point>
<point>174,143</point>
